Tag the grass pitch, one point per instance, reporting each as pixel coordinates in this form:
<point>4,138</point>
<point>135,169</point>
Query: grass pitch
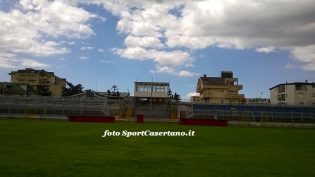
<point>60,148</point>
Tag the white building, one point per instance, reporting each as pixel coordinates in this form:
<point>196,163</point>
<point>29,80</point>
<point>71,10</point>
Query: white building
<point>297,93</point>
<point>151,89</point>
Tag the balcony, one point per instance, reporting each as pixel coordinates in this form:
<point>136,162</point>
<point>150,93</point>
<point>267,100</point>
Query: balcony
<point>236,87</point>
<point>234,96</point>
<point>206,95</point>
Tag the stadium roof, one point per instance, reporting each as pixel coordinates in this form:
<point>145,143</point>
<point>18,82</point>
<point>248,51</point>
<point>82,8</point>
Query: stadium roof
<point>293,83</point>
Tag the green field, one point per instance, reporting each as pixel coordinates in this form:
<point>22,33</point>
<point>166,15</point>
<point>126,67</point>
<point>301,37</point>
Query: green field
<point>60,148</point>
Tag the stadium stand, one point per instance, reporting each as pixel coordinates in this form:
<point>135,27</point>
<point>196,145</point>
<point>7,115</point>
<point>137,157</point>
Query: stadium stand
<point>255,112</point>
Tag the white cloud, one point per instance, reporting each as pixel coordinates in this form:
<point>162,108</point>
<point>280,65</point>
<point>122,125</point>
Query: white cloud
<point>175,57</point>
<point>265,49</point>
<point>145,42</point>
<point>32,64</point>
<point>10,61</point>
<point>163,69</point>
<point>32,28</point>
<point>87,48</point>
<point>7,60</point>
<point>188,95</point>
<point>84,58</point>
<point>290,66</point>
<point>105,61</point>
<point>136,53</point>
<point>192,94</point>
<point>187,74</point>
<point>101,50</point>
<point>264,26</point>
<point>57,18</point>
<point>103,19</point>
<point>173,71</point>
<point>144,23</point>
<point>306,55</point>
<point>71,43</point>
<point>165,31</point>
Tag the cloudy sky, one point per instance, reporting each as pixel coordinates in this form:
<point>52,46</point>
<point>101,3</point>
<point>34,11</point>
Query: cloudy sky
<point>99,43</point>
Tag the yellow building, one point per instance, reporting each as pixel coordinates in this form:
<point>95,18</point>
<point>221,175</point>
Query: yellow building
<point>224,89</point>
<point>38,80</point>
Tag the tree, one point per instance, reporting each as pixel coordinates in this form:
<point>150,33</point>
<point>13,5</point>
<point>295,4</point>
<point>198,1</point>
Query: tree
<point>114,88</point>
<point>108,93</point>
<point>89,93</point>
<point>170,94</point>
<point>113,92</point>
<point>77,89</point>
<point>43,90</point>
<point>177,97</point>
<point>70,89</point>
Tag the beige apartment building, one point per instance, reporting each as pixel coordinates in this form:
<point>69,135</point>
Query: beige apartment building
<point>36,79</point>
<point>297,93</point>
<point>224,89</point>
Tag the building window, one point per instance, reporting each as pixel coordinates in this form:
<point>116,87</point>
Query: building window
<point>281,88</point>
<point>281,97</point>
<point>150,88</point>
<point>300,95</point>
<point>313,95</point>
<point>300,87</point>
<point>301,103</point>
<point>159,89</point>
<point>282,103</point>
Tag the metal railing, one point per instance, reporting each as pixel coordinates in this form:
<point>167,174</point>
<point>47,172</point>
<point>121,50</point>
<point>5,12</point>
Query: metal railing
<point>252,116</point>
<point>36,105</point>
